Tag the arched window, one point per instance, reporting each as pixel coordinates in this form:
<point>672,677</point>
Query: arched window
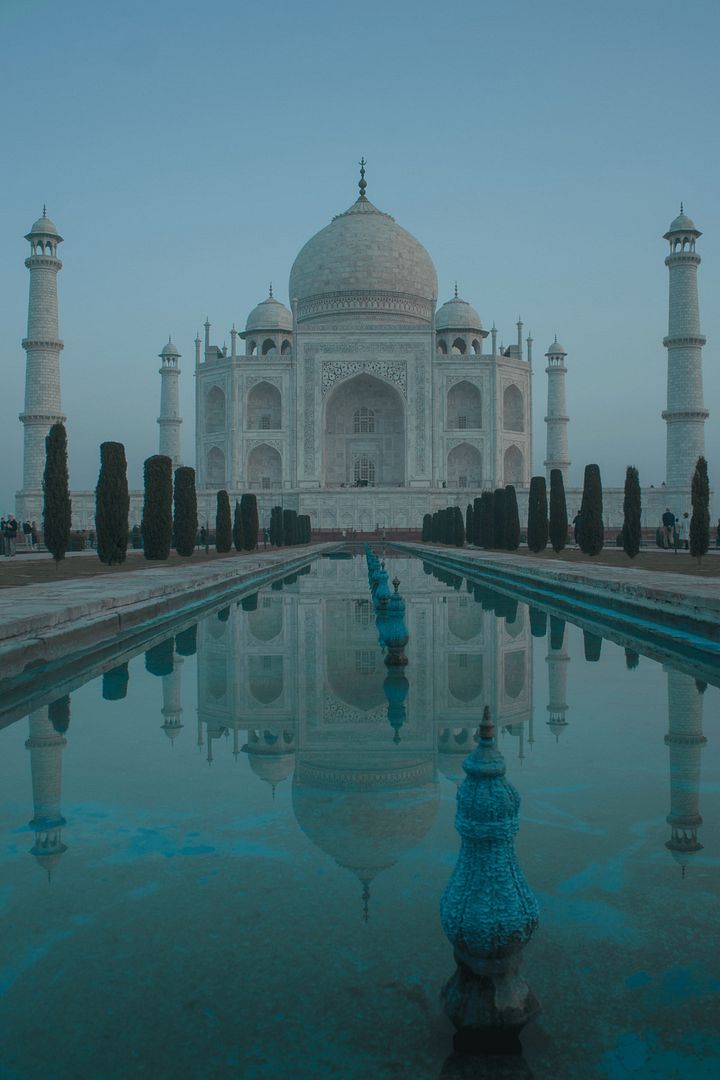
<point>264,408</point>
<point>363,420</point>
<point>215,410</point>
<point>464,401</point>
<point>251,347</point>
<point>514,673</point>
<point>442,347</point>
<point>364,471</point>
<point>268,346</point>
<point>513,466</point>
<point>513,409</point>
<point>264,468</point>
<point>285,349</point>
<point>458,346</point>
<point>465,676</point>
<point>477,346</point>
<point>215,476</point>
<point>464,467</point>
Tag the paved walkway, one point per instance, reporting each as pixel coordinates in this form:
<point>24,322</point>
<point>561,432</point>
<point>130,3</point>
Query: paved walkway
<point>682,594</point>
<point>46,620</point>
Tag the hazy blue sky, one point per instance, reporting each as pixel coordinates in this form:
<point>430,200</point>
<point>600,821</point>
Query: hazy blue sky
<point>186,152</point>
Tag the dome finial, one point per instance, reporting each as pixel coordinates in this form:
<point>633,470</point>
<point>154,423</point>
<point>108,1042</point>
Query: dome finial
<point>682,210</point>
<point>271,295</point>
<point>456,290</point>
<point>362,184</point>
<point>44,210</point>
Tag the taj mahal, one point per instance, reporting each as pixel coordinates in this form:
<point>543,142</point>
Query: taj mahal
<point>364,403</point>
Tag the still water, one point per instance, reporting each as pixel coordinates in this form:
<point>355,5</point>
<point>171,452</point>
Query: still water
<point>237,845</point>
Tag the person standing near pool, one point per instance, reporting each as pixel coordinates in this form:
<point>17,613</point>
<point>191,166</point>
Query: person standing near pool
<point>668,524</point>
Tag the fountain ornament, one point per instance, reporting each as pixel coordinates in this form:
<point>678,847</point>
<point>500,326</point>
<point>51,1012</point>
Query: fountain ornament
<point>487,911</point>
<point>381,592</point>
<point>395,634</point>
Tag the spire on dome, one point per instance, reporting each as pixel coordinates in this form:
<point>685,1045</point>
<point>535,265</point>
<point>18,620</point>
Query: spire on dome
<point>45,210</point>
<point>362,184</point>
<point>270,293</point>
<point>682,209</point>
<point>456,294</point>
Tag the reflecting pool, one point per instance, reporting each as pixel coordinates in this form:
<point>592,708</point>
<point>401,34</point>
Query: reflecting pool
<point>225,855</point>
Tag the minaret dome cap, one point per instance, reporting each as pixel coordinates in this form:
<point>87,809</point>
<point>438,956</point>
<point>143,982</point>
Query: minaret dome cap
<point>556,349</point>
<point>43,227</point>
<point>169,350</point>
<point>270,314</point>
<point>457,314</point>
<point>682,224</point>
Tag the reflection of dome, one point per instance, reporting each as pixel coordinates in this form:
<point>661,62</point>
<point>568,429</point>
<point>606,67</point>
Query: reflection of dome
<point>457,314</point>
<point>273,769</point>
<point>270,314</point>
<point>364,816</point>
<point>363,252</point>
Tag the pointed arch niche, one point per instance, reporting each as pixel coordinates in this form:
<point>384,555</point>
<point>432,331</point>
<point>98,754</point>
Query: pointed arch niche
<point>513,466</point>
<point>464,406</point>
<point>355,451</point>
<point>464,467</point>
<point>264,408</point>
<point>264,468</point>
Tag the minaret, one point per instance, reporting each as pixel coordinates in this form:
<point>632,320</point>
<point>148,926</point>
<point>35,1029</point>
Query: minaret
<point>172,700</point>
<point>685,413</point>
<point>42,367</point>
<point>169,418</point>
<point>557,455</point>
<point>685,740</point>
<point>557,662</point>
<point>46,746</point>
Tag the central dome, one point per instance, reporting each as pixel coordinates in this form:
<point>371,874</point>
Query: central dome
<point>363,261</point>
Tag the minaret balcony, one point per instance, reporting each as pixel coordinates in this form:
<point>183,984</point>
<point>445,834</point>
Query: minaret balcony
<point>43,343</point>
<point>687,341</point>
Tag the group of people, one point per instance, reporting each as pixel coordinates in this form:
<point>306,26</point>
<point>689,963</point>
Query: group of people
<point>675,530</point>
<point>9,529</point>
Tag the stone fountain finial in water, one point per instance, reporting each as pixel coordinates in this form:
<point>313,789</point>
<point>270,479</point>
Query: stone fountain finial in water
<point>487,910</point>
<point>395,633</point>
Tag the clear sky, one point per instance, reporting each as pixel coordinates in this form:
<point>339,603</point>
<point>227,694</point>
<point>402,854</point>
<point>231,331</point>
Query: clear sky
<point>186,152</point>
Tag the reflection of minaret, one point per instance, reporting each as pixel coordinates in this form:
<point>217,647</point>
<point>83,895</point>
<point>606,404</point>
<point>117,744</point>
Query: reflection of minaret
<point>172,700</point>
<point>46,746</point>
<point>557,662</point>
<point>685,739</point>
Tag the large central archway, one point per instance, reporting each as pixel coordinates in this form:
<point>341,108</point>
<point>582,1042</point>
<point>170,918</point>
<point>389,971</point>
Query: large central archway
<point>364,435</point>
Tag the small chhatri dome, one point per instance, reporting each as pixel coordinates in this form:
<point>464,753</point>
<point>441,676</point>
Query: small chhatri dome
<point>682,224</point>
<point>457,314</point>
<point>270,314</point>
<point>556,349</point>
<point>44,227</point>
<point>169,349</point>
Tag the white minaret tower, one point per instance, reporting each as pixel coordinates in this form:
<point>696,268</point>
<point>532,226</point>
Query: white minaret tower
<point>557,456</point>
<point>685,413</point>
<point>685,741</point>
<point>557,662</point>
<point>46,746</point>
<point>42,366</point>
<point>169,418</point>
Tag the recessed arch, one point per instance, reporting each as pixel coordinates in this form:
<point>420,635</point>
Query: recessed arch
<point>264,467</point>
<point>215,470</point>
<point>514,673</point>
<point>464,466</point>
<point>465,619</point>
<point>215,409</point>
<point>265,678</point>
<point>383,446</point>
<point>442,347</point>
<point>459,346</point>
<point>266,622</point>
<point>285,348</point>
<point>465,676</point>
<point>477,346</point>
<point>464,406</point>
<point>268,346</point>
<point>513,465</point>
<point>251,347</point>
<point>264,408</point>
<point>513,409</point>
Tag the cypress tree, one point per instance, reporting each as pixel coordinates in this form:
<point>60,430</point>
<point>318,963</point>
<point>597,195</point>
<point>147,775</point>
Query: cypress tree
<point>558,529</point>
<point>591,531</point>
<point>427,528</point>
<point>186,641</point>
<point>57,508</point>
<point>512,520</point>
<point>223,524</point>
<point>115,683</point>
<point>487,519</point>
<point>276,537</point>
<point>469,526</point>
<point>593,646</point>
<point>287,527</point>
<point>537,532</point>
<point>557,632</point>
<point>185,520</point>
<point>538,622</point>
<point>250,522</point>
<point>700,520</point>
<point>458,527</point>
<point>435,530</point>
<point>631,513</point>
<point>632,659</point>
<point>112,504</point>
<point>157,508</point>
<point>159,658</point>
<point>498,529</point>
<point>237,531</point>
<point>477,523</point>
<point>59,714</point>
<point>249,603</point>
